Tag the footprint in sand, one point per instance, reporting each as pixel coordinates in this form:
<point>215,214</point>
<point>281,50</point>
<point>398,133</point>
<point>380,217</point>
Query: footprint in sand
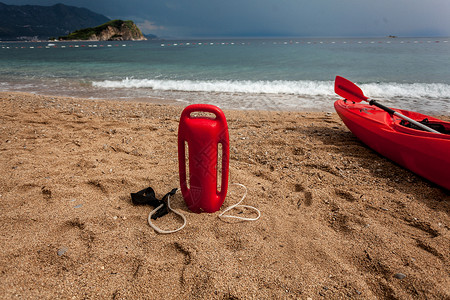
<point>307,200</point>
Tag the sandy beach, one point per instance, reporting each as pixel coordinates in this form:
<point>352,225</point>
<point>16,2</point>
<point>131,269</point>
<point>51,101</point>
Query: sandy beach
<point>337,220</point>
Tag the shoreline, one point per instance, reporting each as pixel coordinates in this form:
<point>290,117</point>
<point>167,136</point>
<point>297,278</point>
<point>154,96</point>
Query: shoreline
<point>338,220</point>
<point>184,103</point>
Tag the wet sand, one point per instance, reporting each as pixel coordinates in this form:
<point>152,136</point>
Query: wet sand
<point>338,220</point>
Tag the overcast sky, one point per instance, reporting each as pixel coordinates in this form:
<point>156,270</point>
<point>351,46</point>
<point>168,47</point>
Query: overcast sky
<point>254,18</point>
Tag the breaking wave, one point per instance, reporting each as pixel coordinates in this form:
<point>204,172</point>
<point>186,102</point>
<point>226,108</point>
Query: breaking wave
<point>301,88</point>
<point>407,90</point>
<point>312,88</point>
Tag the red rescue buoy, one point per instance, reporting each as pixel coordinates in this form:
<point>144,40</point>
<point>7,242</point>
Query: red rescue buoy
<point>202,139</point>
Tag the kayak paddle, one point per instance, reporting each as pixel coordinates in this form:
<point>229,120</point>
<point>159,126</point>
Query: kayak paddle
<point>350,91</point>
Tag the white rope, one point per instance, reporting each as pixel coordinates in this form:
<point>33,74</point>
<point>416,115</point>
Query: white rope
<point>222,214</point>
<point>159,230</point>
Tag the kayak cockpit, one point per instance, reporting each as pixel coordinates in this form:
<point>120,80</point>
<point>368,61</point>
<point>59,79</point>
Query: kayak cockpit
<point>438,126</point>
<point>441,126</point>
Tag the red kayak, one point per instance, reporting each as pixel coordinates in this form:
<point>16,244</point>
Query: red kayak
<point>424,153</point>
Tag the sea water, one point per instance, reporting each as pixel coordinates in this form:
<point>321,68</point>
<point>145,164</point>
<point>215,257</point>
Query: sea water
<point>256,74</point>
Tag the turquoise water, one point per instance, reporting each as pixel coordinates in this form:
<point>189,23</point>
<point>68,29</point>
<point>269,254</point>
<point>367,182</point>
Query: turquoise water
<point>275,74</point>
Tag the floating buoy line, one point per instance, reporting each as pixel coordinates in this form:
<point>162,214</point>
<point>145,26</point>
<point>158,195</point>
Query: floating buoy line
<point>49,46</point>
<point>291,42</point>
<point>230,43</point>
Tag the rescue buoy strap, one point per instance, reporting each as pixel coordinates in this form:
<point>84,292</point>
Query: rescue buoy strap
<point>147,197</point>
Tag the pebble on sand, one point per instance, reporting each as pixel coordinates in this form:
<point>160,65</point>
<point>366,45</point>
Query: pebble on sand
<point>400,276</point>
<point>62,251</point>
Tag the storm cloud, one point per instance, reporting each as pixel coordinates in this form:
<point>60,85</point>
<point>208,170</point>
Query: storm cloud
<point>245,18</point>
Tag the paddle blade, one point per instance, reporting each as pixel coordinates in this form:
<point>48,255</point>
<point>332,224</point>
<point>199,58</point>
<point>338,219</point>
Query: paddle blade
<point>348,90</point>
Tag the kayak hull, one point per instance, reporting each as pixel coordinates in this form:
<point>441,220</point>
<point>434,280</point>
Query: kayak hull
<point>424,153</point>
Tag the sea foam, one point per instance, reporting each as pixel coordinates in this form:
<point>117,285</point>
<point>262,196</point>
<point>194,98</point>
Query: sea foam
<point>312,88</point>
<point>301,88</point>
<point>407,90</point>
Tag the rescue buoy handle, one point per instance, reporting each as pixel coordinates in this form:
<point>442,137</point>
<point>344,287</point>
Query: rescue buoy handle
<point>182,163</point>
<point>220,116</point>
<point>225,168</point>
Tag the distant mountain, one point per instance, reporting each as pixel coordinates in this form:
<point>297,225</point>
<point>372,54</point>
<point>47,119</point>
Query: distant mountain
<point>116,30</point>
<point>151,36</point>
<point>27,22</point>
